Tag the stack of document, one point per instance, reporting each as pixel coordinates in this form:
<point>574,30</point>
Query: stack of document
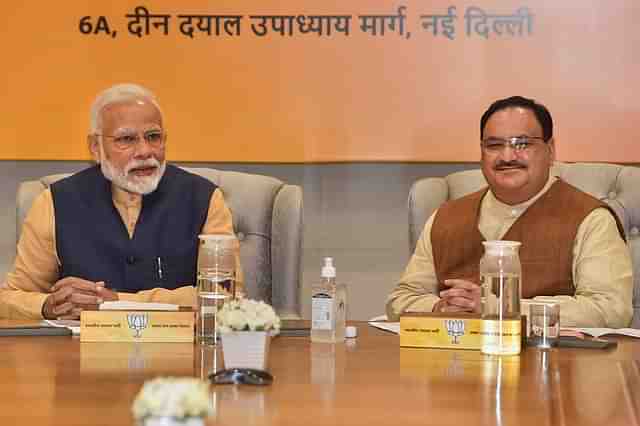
<point>382,323</point>
<point>121,305</point>
<point>73,325</point>
<point>597,332</point>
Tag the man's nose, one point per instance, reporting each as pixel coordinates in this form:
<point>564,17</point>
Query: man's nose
<point>507,153</point>
<point>142,148</point>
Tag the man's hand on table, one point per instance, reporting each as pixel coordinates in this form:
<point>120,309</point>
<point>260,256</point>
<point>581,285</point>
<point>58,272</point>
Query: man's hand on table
<point>70,295</point>
<point>462,296</point>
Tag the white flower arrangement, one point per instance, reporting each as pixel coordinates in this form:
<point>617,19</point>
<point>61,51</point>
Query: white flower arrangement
<point>176,397</point>
<point>247,315</point>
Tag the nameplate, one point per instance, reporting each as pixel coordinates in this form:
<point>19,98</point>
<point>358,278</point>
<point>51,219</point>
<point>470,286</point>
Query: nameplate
<point>137,326</point>
<point>441,330</point>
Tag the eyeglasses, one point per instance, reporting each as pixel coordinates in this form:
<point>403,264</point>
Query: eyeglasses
<point>517,143</point>
<point>125,141</point>
<point>241,376</point>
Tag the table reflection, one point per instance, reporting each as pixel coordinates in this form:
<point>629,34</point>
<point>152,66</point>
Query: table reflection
<point>136,358</point>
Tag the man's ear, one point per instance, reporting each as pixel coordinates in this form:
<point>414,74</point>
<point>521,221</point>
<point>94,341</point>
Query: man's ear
<point>94,147</point>
<point>552,149</point>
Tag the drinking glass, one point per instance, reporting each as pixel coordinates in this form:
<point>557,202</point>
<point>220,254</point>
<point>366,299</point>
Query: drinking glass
<point>545,324</point>
<point>216,281</point>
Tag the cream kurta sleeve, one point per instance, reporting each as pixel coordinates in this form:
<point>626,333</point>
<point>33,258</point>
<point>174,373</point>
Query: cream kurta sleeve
<point>417,289</point>
<point>35,268</point>
<point>219,221</point>
<point>602,275</point>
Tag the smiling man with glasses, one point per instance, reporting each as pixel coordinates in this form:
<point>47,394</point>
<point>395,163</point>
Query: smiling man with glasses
<point>573,249</point>
<point>125,229</point>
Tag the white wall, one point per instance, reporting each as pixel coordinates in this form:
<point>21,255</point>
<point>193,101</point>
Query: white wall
<point>354,212</point>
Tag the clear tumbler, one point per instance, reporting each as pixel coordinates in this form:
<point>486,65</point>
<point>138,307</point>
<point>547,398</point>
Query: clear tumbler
<point>216,281</point>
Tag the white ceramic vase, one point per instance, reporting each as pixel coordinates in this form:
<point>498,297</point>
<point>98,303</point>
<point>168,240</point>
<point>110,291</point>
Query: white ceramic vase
<point>171,421</point>
<point>246,349</point>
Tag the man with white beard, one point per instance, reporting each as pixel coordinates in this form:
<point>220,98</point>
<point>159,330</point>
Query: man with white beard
<point>124,229</point>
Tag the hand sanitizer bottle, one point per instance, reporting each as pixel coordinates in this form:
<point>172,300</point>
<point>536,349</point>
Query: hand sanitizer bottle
<point>328,307</point>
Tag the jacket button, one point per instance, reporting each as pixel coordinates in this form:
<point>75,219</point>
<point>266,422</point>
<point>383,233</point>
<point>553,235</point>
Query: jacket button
<point>131,260</point>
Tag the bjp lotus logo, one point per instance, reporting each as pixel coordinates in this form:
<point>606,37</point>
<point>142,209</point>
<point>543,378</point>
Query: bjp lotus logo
<point>455,329</point>
<point>137,323</point>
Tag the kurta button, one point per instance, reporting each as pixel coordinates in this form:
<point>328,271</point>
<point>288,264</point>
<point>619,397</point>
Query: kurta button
<point>634,231</point>
<point>240,236</point>
<point>612,195</point>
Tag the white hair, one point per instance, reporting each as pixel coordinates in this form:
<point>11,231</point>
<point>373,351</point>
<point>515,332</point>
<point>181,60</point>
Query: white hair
<point>116,94</point>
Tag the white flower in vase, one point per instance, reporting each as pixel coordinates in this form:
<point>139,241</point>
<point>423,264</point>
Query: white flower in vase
<point>247,315</point>
<point>245,328</point>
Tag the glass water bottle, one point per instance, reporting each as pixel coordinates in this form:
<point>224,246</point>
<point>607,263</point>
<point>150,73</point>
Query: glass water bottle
<point>500,278</point>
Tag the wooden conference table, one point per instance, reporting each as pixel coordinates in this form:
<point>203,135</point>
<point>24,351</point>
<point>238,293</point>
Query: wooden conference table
<point>371,381</point>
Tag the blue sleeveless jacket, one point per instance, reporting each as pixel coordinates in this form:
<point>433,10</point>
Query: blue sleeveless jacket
<point>93,243</point>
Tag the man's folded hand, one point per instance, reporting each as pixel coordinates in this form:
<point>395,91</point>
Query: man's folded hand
<point>462,296</point>
<point>70,295</point>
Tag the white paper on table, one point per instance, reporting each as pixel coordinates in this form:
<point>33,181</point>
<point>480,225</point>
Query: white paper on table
<point>73,325</point>
<point>122,305</point>
<point>381,323</point>
<point>597,332</point>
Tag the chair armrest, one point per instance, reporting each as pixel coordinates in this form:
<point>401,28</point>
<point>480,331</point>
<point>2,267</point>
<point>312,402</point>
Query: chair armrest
<point>425,196</point>
<point>286,251</point>
<point>27,192</point>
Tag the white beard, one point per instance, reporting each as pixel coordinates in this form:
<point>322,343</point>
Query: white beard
<point>137,184</point>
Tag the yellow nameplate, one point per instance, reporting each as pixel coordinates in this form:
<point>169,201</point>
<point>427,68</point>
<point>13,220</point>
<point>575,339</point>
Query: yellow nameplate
<point>441,330</point>
<point>137,326</point>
